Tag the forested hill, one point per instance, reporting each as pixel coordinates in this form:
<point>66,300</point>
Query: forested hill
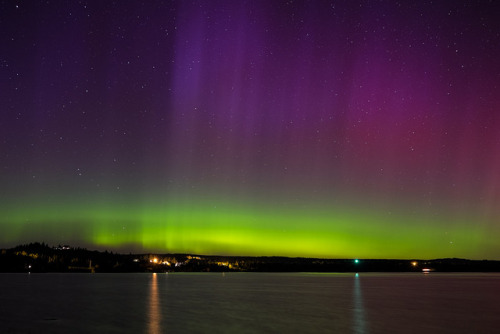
<point>39,257</point>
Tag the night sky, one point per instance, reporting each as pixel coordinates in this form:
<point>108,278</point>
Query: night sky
<point>336,129</point>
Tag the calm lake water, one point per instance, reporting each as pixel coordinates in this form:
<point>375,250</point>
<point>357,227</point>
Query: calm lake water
<point>250,303</point>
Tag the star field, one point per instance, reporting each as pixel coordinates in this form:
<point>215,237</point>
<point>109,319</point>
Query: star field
<point>299,128</point>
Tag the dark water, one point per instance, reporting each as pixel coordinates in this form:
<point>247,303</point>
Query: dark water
<point>250,303</point>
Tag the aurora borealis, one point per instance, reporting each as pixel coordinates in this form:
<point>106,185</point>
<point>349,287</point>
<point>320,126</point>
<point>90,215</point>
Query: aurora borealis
<point>331,129</point>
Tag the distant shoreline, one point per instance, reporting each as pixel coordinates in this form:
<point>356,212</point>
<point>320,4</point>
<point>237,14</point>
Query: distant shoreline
<point>39,257</point>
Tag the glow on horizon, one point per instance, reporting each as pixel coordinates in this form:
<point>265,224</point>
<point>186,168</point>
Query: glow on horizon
<point>227,228</point>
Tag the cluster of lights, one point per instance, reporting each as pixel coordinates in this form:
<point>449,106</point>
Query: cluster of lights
<point>156,261</point>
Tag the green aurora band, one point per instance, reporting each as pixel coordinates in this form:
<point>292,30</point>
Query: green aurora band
<point>228,227</point>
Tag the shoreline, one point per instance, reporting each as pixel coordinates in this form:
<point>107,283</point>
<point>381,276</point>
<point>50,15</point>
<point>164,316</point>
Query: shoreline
<point>40,258</point>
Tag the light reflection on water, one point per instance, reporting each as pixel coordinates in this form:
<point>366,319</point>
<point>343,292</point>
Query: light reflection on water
<point>359,323</point>
<point>154,314</point>
<point>249,303</point>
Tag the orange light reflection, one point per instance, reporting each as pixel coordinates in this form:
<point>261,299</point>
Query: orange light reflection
<point>154,307</point>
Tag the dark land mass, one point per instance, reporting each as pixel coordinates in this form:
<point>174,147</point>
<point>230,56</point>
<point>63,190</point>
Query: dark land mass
<point>39,257</point>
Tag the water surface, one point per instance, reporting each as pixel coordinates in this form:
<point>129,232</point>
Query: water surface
<point>249,303</point>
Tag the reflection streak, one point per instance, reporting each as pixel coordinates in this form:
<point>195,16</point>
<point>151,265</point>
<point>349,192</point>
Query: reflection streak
<point>359,325</point>
<point>154,307</point>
